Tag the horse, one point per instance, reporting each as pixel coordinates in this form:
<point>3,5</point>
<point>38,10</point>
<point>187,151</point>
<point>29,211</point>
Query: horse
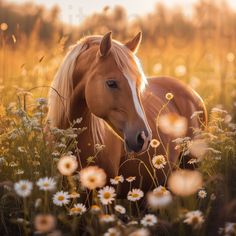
<point>102,81</point>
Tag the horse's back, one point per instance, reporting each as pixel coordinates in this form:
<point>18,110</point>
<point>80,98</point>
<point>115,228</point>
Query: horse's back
<point>185,100</point>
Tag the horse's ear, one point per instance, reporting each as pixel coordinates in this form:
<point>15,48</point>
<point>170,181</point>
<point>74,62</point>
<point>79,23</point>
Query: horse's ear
<point>133,44</point>
<point>105,45</point>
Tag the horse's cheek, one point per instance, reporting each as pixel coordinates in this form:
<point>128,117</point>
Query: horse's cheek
<point>97,106</point>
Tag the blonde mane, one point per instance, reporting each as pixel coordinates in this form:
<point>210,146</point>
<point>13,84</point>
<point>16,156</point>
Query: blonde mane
<point>62,85</point>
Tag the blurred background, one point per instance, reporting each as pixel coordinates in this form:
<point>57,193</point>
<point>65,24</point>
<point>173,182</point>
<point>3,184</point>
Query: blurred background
<point>194,41</point>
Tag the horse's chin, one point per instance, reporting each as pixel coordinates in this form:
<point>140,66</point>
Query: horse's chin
<point>132,152</point>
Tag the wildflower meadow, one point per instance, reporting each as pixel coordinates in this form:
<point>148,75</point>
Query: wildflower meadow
<point>45,190</point>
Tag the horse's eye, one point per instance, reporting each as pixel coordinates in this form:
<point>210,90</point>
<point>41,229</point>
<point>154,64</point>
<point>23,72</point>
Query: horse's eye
<point>111,84</point>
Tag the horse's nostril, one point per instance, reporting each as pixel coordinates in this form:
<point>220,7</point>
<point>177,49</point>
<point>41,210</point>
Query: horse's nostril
<point>140,139</point>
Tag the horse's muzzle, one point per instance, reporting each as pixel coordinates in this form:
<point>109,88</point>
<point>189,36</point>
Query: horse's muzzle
<point>138,144</point>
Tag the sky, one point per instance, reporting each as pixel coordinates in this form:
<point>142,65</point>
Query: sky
<point>74,11</point>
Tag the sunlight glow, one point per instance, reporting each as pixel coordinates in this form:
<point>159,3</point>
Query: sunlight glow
<point>73,12</point>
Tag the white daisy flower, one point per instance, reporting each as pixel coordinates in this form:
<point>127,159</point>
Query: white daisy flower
<point>120,209</point>
<point>78,209</point>
<point>92,177</point>
<point>106,218</point>
<point>169,96</point>
<point>202,193</point>
<point>198,148</point>
<point>117,180</point>
<point>67,165</point>
<point>74,195</point>
<point>154,143</point>
<point>159,198</point>
<point>149,220</point>
<point>107,195</point>
<point>130,179</point>
<point>159,161</point>
<point>230,229</point>
<point>112,232</point>
<point>172,124</point>
<point>46,184</point>
<point>23,188</point>
<point>213,197</point>
<point>135,194</point>
<point>95,208</point>
<point>185,182</point>
<point>194,218</point>
<point>61,198</point>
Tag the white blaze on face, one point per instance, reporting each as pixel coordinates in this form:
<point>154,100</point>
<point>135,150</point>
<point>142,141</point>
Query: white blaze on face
<point>137,105</point>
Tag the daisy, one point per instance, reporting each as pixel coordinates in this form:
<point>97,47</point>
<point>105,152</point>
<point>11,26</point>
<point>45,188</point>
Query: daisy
<point>107,195</point>
<point>74,195</point>
<point>67,165</point>
<point>185,182</point>
<point>78,209</point>
<point>159,161</point>
<point>130,179</point>
<point>106,218</point>
<point>159,198</point>
<point>46,184</point>
<point>135,194</point>
<point>61,198</point>
<point>169,96</point>
<point>117,180</point>
<point>92,177</point>
<point>44,223</point>
<point>230,228</point>
<point>120,209</point>
<point>194,218</point>
<point>154,143</point>
<point>149,220</point>
<point>95,208</point>
<point>23,188</point>
<point>140,232</point>
<point>213,197</point>
<point>112,232</point>
<point>172,124</point>
<point>133,222</point>
<point>198,148</point>
<point>202,193</point>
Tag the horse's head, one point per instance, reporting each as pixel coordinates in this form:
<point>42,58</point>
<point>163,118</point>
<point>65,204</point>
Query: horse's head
<point>113,89</point>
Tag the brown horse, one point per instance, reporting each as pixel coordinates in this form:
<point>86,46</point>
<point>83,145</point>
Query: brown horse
<point>102,81</point>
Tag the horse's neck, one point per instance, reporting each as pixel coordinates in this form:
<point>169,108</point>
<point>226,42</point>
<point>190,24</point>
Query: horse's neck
<point>97,133</point>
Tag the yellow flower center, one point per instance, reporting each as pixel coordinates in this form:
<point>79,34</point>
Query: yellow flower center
<point>91,179</point>
<point>67,165</point>
<point>43,221</point>
<point>158,161</point>
<point>23,187</point>
<point>169,96</point>
<point>106,195</point>
<point>195,220</point>
<point>75,210</point>
<point>61,198</point>
<point>135,195</point>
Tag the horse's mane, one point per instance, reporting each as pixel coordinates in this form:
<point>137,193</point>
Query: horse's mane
<point>62,86</point>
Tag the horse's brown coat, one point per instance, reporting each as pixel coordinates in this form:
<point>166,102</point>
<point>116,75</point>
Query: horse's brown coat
<point>86,96</point>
